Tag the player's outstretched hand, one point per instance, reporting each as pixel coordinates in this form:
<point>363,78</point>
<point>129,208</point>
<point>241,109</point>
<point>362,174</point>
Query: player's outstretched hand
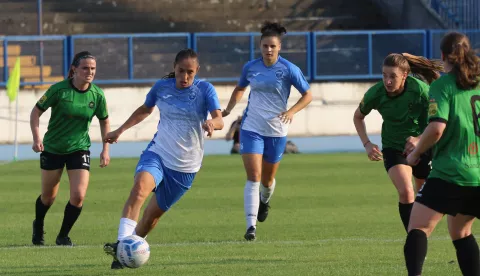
<point>373,152</point>
<point>208,127</point>
<point>37,146</point>
<point>112,137</point>
<point>104,159</point>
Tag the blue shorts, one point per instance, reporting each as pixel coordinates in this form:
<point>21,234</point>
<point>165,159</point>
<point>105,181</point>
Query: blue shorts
<point>170,185</point>
<point>272,148</point>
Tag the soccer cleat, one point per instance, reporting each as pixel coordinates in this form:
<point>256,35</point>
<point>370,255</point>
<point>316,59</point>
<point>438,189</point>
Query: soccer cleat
<point>64,241</point>
<point>111,249</point>
<point>263,211</point>
<point>116,265</point>
<point>250,235</point>
<point>37,236</point>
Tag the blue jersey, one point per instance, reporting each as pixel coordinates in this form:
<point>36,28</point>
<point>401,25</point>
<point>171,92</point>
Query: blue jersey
<point>179,138</point>
<point>269,92</point>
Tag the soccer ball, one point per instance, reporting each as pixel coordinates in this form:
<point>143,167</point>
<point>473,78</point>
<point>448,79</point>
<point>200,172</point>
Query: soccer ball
<point>133,251</point>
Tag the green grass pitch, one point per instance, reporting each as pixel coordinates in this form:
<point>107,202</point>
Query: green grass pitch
<point>332,214</point>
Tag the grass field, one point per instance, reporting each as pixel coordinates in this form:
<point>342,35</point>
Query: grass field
<point>334,214</point>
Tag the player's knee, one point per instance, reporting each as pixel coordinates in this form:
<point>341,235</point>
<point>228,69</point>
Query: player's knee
<point>77,200</point>
<point>140,191</point>
<point>254,175</point>
<point>458,232</point>
<point>406,195</point>
<point>48,199</point>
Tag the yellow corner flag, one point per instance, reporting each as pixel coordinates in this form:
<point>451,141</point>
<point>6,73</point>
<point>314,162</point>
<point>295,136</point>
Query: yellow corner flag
<point>13,83</point>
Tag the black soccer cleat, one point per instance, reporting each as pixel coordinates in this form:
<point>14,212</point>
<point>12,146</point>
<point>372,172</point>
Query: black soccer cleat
<point>250,235</point>
<point>263,211</point>
<point>111,249</point>
<point>38,235</point>
<point>116,265</point>
<point>64,241</point>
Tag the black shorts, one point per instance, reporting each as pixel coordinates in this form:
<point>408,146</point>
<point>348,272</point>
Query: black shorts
<point>78,160</point>
<point>392,157</point>
<point>449,198</point>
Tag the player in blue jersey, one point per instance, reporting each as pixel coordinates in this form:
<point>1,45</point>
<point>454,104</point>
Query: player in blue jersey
<point>169,163</point>
<point>265,122</point>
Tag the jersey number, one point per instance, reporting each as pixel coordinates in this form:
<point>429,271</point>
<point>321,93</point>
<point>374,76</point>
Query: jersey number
<point>86,158</point>
<point>473,101</point>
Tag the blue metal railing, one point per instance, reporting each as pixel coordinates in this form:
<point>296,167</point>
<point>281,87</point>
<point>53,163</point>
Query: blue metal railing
<point>32,48</point>
<point>228,52</point>
<point>118,51</point>
<point>359,54</point>
<point>144,58</point>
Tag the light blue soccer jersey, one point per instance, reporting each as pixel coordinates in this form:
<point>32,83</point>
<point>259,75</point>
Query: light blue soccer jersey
<point>269,92</point>
<point>179,138</point>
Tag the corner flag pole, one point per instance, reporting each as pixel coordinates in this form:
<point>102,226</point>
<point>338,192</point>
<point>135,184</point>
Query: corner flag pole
<point>15,154</point>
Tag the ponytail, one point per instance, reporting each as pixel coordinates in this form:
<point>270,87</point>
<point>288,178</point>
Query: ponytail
<point>170,75</point>
<point>421,67</point>
<point>424,68</point>
<point>457,51</point>
<point>70,73</point>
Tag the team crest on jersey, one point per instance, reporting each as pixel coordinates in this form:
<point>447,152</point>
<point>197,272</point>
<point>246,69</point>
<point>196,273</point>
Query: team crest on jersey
<point>432,109</point>
<point>192,96</point>
<point>42,99</point>
<point>279,74</point>
<point>91,104</point>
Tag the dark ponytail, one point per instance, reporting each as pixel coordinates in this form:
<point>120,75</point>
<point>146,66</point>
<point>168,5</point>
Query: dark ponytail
<point>421,67</point>
<point>457,51</point>
<point>76,61</point>
<point>272,29</point>
<point>183,54</point>
<point>170,75</point>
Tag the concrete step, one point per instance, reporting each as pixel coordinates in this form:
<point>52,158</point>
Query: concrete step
<point>32,71</point>
<point>46,79</point>
<point>25,61</point>
<point>12,50</point>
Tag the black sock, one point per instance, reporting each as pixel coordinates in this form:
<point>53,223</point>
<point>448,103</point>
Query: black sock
<point>405,210</point>
<point>468,255</point>
<point>40,212</point>
<point>415,250</point>
<point>69,218</point>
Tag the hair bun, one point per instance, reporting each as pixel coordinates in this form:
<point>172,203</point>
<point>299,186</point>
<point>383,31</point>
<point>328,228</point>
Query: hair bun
<point>273,27</point>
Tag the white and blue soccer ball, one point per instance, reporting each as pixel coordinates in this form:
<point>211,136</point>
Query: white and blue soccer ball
<point>133,251</point>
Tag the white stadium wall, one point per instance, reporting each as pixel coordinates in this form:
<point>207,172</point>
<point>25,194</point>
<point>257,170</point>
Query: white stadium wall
<point>330,112</point>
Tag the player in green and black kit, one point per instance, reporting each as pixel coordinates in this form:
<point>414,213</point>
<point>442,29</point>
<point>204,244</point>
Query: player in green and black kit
<point>402,101</point>
<point>453,186</point>
<point>74,102</point>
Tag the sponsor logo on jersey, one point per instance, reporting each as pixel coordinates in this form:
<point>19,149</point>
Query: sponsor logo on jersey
<point>432,109</point>
<point>473,148</point>
<point>42,99</point>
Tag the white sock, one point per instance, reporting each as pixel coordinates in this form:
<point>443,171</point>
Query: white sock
<point>126,228</point>
<point>251,202</point>
<point>267,192</point>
